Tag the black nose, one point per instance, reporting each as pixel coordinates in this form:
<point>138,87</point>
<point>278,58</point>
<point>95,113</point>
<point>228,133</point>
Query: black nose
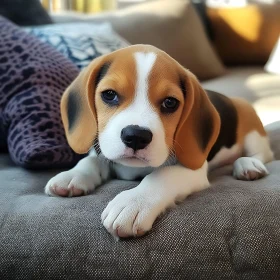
<point>136,137</point>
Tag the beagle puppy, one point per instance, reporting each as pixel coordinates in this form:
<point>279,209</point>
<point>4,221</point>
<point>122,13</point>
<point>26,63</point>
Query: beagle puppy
<point>140,114</point>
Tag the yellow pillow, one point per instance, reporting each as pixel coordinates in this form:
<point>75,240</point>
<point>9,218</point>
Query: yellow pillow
<point>245,35</point>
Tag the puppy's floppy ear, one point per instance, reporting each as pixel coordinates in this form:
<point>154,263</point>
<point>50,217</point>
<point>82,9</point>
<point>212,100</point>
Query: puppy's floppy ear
<point>78,108</point>
<point>199,126</point>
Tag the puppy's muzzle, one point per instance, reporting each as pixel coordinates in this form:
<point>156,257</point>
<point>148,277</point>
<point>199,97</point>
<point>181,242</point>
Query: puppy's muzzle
<point>136,137</point>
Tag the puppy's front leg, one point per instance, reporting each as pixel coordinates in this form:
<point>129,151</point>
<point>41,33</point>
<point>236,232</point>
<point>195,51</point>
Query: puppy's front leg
<point>133,212</point>
<point>89,173</point>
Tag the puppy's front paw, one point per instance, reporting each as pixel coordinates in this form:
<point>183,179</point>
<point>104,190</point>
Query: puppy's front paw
<point>131,213</point>
<point>249,169</point>
<point>70,183</point>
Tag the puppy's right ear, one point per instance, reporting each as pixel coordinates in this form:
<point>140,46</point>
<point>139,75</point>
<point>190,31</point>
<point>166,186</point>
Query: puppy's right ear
<point>78,109</point>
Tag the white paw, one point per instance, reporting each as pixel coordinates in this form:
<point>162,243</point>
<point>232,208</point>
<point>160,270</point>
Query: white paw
<point>249,169</point>
<point>131,213</point>
<point>70,183</point>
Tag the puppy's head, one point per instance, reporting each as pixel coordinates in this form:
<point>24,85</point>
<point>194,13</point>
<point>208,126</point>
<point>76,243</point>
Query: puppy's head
<point>143,107</point>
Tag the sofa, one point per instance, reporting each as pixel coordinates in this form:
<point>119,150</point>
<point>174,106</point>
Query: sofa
<point>228,231</point>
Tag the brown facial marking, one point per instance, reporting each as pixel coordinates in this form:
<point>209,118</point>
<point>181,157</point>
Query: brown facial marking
<point>102,72</point>
<point>164,82</point>
<point>121,77</point>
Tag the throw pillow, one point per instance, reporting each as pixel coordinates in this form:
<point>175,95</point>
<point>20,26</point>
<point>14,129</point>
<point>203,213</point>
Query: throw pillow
<point>33,76</point>
<point>245,35</point>
<point>24,12</point>
<point>80,42</point>
<point>172,26</point>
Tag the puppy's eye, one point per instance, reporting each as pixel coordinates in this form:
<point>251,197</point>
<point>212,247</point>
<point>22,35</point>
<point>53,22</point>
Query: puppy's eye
<point>169,105</point>
<point>110,97</point>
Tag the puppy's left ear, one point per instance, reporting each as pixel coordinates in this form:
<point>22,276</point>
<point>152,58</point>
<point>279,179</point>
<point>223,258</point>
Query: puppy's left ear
<point>199,126</point>
<point>78,106</point>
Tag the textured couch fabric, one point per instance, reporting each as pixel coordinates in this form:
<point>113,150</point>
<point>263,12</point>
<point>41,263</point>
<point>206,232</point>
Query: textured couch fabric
<point>229,231</point>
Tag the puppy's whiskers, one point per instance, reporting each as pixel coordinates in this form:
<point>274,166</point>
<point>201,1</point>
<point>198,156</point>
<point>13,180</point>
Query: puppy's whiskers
<point>174,141</point>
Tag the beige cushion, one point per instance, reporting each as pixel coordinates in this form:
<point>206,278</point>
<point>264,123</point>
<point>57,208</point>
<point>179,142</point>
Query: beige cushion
<point>260,88</point>
<point>172,26</point>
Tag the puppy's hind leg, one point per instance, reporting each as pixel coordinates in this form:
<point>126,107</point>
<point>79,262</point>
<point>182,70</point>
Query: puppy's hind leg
<point>257,152</point>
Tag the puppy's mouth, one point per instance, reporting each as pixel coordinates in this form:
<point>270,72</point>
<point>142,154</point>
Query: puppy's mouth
<point>133,160</point>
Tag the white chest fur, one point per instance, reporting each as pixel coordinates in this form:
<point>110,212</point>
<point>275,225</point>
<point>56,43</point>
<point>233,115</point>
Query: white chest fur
<point>132,173</point>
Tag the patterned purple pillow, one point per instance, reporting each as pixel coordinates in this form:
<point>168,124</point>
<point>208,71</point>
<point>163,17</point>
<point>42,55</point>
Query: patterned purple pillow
<point>33,76</point>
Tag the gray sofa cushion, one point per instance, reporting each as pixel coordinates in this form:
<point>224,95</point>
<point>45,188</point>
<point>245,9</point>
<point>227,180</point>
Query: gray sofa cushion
<point>273,131</point>
<point>260,88</point>
<point>229,231</point>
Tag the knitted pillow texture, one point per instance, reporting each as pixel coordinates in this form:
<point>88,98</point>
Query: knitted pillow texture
<point>33,76</point>
<point>80,42</point>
